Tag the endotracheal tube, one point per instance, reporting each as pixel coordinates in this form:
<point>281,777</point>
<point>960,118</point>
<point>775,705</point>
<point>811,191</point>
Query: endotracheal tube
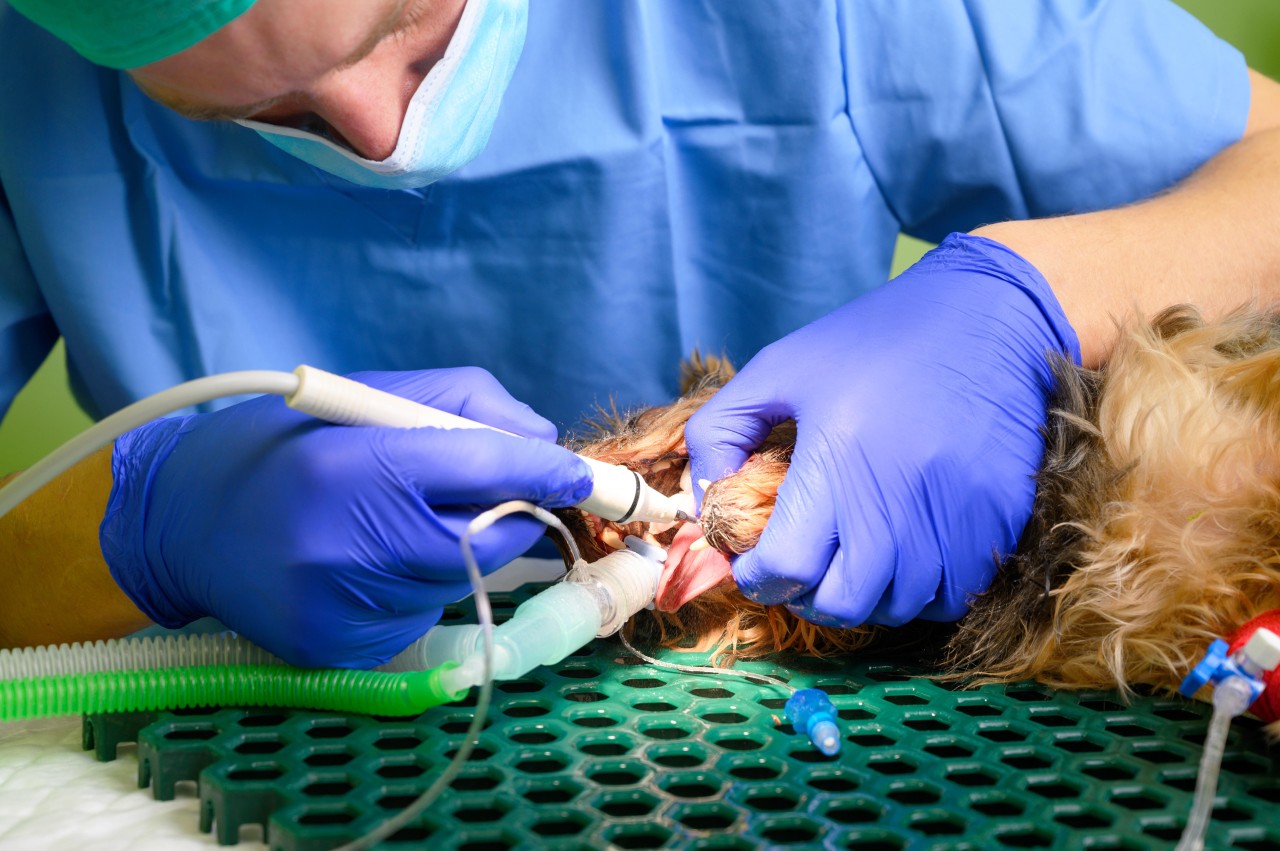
<point>1238,682</point>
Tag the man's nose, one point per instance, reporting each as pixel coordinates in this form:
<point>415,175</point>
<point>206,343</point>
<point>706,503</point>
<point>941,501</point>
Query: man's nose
<point>366,105</point>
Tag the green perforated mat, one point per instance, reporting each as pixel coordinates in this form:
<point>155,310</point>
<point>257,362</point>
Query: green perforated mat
<point>601,751</point>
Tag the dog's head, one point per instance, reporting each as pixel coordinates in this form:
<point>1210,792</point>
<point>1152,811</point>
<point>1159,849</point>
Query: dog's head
<point>1156,526</point>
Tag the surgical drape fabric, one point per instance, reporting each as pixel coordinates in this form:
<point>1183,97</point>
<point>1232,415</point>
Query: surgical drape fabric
<point>663,175</point>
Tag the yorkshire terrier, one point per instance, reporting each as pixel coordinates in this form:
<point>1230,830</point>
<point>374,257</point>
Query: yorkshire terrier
<point>1155,529</point>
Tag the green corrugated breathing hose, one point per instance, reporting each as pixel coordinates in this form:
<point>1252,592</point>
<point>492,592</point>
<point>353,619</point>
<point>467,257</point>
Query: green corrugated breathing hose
<point>366,692</point>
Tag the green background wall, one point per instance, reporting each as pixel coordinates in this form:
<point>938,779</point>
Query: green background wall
<point>44,414</point>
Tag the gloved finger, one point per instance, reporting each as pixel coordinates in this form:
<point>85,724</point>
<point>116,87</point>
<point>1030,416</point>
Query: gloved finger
<point>482,467</point>
<point>494,546</point>
<point>798,542</point>
<point>724,431</point>
<point>467,391</point>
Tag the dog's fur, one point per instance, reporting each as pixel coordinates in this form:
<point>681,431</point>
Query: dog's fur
<point>1156,524</point>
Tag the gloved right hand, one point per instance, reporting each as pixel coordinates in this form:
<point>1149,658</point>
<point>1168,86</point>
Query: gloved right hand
<point>327,545</point>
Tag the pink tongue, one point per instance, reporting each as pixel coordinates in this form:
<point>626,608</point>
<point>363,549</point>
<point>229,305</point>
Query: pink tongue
<point>686,574</point>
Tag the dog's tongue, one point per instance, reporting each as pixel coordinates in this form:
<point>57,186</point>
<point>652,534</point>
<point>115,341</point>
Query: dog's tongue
<point>686,575</point>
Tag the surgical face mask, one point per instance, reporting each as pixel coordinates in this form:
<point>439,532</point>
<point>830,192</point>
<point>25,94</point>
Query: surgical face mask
<point>449,117</point>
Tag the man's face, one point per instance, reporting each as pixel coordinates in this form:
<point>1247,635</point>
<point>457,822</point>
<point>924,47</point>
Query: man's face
<point>348,67</point>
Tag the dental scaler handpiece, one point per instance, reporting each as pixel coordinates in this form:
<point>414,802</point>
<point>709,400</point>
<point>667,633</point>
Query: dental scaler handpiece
<point>617,493</point>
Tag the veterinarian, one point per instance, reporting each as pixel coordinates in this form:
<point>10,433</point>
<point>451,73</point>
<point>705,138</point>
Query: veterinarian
<point>572,195</point>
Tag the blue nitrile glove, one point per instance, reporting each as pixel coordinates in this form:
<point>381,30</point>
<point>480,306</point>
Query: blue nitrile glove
<point>327,545</point>
<point>918,411</point>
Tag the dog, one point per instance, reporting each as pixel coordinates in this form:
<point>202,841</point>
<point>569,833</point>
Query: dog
<point>1155,528</point>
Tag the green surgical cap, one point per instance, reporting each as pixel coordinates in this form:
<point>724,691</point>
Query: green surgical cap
<point>129,33</point>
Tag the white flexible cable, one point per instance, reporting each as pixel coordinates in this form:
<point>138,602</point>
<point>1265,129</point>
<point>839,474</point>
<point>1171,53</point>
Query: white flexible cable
<point>139,413</point>
<point>484,614</point>
<point>1231,697</point>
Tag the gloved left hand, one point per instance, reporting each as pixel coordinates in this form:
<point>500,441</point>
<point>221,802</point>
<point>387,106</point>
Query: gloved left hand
<point>327,545</point>
<point>918,410</point>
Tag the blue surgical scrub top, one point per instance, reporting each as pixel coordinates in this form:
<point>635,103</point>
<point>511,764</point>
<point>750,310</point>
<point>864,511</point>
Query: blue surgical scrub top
<point>664,175</point>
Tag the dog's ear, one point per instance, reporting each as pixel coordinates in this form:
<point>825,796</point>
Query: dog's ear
<point>701,372</point>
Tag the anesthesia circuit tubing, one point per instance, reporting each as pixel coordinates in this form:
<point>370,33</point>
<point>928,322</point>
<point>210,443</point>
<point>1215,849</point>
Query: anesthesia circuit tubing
<point>285,384</point>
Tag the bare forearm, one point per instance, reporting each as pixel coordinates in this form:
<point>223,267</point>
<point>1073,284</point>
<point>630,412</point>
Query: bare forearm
<point>1213,241</point>
<point>56,585</point>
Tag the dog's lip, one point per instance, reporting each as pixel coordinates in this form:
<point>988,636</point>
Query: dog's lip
<point>686,574</point>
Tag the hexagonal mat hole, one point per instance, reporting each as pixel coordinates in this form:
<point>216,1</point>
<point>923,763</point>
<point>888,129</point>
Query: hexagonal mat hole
<point>1026,759</point>
<point>682,755</point>
<point>1102,704</point>
<point>752,767</point>
<point>637,835</point>
<point>852,811</point>
<point>892,764</point>
<point>790,830</point>
<point>400,768</point>
<point>1077,743</point>
<point>551,791</point>
<point>1052,718</point>
<point>997,805</point>
<point>690,785</point>
<point>1138,799</point>
<point>915,794</point>
<point>872,839</point>
<point>255,773</point>
<point>1082,818</point>
<point>617,773</point>
<point>1157,753</point>
<point>705,816</point>
<point>484,812</point>
<point>1269,793</point>
<point>1024,836</point>
<point>328,758</point>
<point>490,841</point>
<point>1108,770</point>
<point>476,779</point>
<point>584,695</point>
<point>630,804</point>
<point>711,692</point>
<point>742,739</point>
<point>771,799</point>
<point>329,787</point>
<point>937,823</point>
<point>906,699</point>
<point>541,762</point>
<point>644,682</point>
<point>1128,729</point>
<point>526,709</point>
<point>605,744</point>
<point>594,719</point>
<point>870,739</point>
<point>398,741</point>
<point>259,746</point>
<point>926,723</point>
<point>724,717</point>
<point>559,824</point>
<point>1002,734</point>
<point>533,735</point>
<point>665,729</point>
<point>971,776</point>
<point>315,816</point>
<point>949,749</point>
<point>836,781</point>
<point>1053,787</point>
<point>977,708</point>
<point>578,672</point>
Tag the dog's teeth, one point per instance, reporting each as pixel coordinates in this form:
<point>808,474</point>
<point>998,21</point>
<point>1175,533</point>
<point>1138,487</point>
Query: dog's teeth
<point>704,484</point>
<point>611,538</point>
<point>700,544</point>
